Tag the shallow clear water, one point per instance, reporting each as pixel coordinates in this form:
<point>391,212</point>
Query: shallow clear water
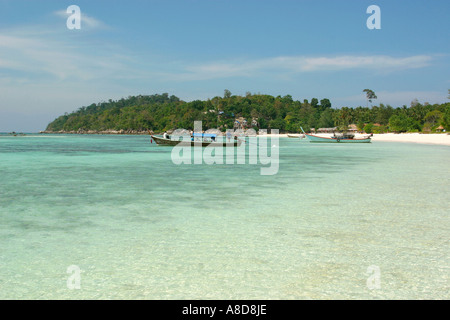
<point>140,227</point>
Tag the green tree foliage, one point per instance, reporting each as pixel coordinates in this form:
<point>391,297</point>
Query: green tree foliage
<point>403,123</point>
<point>227,94</point>
<point>326,119</point>
<point>343,118</point>
<point>379,129</point>
<point>433,117</point>
<point>398,123</point>
<point>445,122</point>
<point>161,112</point>
<point>360,126</point>
<point>324,105</point>
<point>368,128</point>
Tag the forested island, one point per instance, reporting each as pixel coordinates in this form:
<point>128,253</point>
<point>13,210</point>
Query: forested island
<point>161,112</point>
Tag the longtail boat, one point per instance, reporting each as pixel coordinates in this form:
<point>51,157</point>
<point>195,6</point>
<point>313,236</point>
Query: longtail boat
<point>197,140</point>
<point>337,138</point>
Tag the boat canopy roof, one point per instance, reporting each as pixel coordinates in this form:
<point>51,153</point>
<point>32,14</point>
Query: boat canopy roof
<point>204,135</point>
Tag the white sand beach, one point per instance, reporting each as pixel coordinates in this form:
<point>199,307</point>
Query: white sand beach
<point>434,138</point>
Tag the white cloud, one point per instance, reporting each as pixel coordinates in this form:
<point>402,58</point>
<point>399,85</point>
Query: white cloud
<point>44,70</point>
<point>299,64</point>
<point>58,58</point>
<point>366,62</point>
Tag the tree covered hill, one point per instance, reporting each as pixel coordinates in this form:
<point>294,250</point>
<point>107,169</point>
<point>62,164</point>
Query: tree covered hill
<point>161,112</point>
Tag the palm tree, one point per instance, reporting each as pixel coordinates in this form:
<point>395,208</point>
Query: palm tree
<point>370,94</point>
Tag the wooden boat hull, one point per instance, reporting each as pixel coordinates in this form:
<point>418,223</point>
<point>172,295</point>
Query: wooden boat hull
<point>317,139</point>
<point>168,142</point>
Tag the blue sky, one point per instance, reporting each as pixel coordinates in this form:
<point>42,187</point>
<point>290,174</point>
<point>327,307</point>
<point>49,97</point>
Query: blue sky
<point>195,49</point>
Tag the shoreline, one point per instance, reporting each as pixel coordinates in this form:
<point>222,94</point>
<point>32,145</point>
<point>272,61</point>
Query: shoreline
<point>429,138</point>
<point>420,138</point>
<point>133,132</point>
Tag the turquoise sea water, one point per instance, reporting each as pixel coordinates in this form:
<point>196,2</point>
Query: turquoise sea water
<point>140,227</point>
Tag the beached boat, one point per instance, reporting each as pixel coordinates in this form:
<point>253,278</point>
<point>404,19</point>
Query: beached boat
<point>298,136</point>
<point>338,138</point>
<point>197,140</point>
